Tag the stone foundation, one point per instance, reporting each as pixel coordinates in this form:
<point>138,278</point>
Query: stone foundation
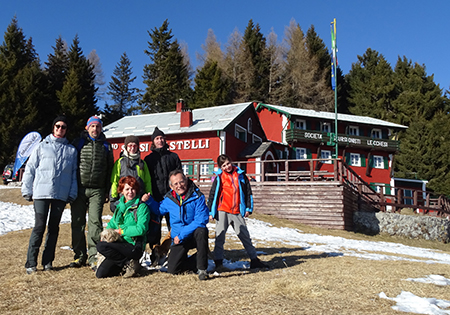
<point>425,227</point>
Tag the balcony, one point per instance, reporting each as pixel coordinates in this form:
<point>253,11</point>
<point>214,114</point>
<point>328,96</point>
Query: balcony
<point>313,136</point>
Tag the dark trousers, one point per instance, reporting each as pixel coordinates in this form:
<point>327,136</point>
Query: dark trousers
<point>179,262</point>
<point>154,229</point>
<point>116,255</point>
<point>41,213</point>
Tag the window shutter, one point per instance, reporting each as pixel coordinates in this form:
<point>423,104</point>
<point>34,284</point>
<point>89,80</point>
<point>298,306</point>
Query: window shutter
<point>195,167</point>
<point>363,159</point>
<point>384,134</point>
<point>373,186</point>
<point>308,125</point>
<point>347,159</point>
<point>318,124</point>
<point>386,162</point>
<point>211,167</point>
<point>387,189</point>
<point>190,169</point>
<point>308,154</point>
<point>371,161</point>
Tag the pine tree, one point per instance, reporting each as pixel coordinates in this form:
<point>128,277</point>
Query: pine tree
<point>371,86</point>
<point>254,44</point>
<point>211,87</point>
<point>122,94</point>
<point>77,97</point>
<point>55,71</point>
<point>274,54</point>
<point>22,91</point>
<point>303,83</point>
<point>166,76</point>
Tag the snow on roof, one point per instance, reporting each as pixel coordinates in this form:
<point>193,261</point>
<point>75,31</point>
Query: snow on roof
<point>204,119</point>
<point>330,115</point>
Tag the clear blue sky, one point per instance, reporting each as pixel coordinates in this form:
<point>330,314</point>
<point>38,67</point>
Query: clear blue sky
<point>415,29</point>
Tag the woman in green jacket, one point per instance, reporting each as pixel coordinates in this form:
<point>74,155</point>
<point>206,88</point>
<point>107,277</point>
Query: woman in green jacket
<point>130,221</point>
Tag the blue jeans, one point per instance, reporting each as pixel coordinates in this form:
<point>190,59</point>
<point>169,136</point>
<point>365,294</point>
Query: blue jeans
<point>41,211</point>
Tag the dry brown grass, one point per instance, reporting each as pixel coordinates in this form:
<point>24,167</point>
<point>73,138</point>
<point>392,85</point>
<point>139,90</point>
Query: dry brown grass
<point>299,282</point>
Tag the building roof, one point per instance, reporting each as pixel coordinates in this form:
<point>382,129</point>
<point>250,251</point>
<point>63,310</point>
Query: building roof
<point>204,119</point>
<point>256,149</point>
<point>290,111</point>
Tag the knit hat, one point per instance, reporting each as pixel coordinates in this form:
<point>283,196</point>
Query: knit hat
<point>157,133</point>
<point>94,120</point>
<point>131,139</point>
<point>59,118</point>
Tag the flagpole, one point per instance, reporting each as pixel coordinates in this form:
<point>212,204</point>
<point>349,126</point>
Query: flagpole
<point>334,84</point>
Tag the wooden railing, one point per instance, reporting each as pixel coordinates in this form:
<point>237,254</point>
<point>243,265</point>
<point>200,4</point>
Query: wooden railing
<point>283,171</point>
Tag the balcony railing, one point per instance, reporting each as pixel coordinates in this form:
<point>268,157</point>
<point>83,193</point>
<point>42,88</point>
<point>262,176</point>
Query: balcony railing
<point>313,136</point>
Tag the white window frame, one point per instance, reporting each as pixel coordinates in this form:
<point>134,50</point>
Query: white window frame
<point>355,159</point>
<point>250,125</point>
<point>204,169</point>
<point>326,154</point>
<point>256,139</point>
<point>378,161</point>
<point>185,168</point>
<point>325,127</point>
<point>301,154</point>
<point>239,129</point>
<point>353,131</point>
<point>300,124</point>
<point>376,134</point>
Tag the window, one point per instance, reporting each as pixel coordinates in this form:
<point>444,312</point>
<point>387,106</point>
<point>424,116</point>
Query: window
<point>250,125</point>
<point>325,154</point>
<point>353,131</point>
<point>326,127</point>
<point>378,161</point>
<point>355,159</point>
<point>301,154</point>
<point>256,139</point>
<point>240,133</point>
<point>300,124</point>
<point>185,168</point>
<point>204,169</point>
<point>376,133</point>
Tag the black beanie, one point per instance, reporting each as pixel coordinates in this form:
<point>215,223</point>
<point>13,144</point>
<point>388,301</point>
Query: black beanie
<point>60,118</point>
<point>131,139</point>
<point>157,133</point>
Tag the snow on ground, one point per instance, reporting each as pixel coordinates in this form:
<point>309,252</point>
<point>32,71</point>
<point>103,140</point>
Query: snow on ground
<point>14,217</point>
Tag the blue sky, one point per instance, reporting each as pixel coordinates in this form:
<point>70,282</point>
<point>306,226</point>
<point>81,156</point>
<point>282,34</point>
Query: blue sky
<point>415,29</point>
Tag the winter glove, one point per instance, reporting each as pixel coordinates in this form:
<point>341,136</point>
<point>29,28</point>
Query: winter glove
<point>28,198</point>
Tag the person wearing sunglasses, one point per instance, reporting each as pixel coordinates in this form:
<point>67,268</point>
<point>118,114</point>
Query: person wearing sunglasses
<point>50,181</point>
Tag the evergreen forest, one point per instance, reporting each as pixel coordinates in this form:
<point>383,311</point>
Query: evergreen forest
<point>293,71</point>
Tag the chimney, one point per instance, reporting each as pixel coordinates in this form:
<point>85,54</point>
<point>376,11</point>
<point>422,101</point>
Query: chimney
<point>186,117</point>
<point>180,105</point>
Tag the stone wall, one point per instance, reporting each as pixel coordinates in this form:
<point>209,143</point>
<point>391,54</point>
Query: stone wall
<point>425,227</point>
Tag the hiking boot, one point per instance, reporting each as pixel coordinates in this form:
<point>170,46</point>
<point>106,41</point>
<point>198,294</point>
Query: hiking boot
<point>256,263</point>
<point>48,267</point>
<point>31,270</point>
<point>100,259</point>
<point>202,275</point>
<point>77,263</point>
<point>132,268</point>
<point>219,266</point>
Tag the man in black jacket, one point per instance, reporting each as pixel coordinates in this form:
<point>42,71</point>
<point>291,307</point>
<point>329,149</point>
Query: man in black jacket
<point>160,163</point>
<point>95,162</point>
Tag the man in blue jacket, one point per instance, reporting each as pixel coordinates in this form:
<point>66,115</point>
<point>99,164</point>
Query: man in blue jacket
<point>188,218</point>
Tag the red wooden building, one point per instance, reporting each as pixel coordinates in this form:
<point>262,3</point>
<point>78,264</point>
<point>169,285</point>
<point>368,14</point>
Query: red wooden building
<point>367,144</point>
<point>198,136</point>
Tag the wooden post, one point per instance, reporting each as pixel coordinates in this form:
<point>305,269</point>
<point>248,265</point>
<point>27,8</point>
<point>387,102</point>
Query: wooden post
<point>311,170</point>
<point>415,197</point>
<point>286,170</point>
<point>263,171</point>
<point>335,170</point>
<point>382,199</point>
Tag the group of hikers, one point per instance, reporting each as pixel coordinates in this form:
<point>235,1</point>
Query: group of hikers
<point>140,192</point>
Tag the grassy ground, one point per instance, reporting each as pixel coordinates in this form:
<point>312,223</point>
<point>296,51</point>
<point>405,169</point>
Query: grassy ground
<point>299,282</point>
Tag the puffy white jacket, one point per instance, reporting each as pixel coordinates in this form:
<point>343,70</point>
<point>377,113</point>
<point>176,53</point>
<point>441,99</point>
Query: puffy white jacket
<point>51,171</point>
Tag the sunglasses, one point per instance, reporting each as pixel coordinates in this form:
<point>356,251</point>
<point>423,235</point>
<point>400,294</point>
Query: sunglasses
<point>61,126</point>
